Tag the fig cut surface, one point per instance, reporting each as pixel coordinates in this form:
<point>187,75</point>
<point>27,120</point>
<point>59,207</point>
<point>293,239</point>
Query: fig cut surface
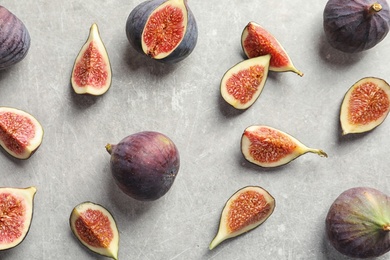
<point>20,133</point>
<point>243,83</point>
<point>245,210</point>
<point>365,105</point>
<point>269,147</point>
<point>16,212</point>
<point>91,72</point>
<point>94,226</point>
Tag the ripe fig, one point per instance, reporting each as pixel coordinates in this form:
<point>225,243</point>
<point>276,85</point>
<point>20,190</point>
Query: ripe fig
<point>268,147</point>
<point>356,25</point>
<point>358,223</point>
<point>144,165</point>
<point>20,133</point>
<point>164,30</point>
<point>248,208</point>
<point>257,41</point>
<point>16,212</point>
<point>365,105</point>
<point>14,37</point>
<point>91,72</point>
<point>242,84</point>
<point>94,226</point>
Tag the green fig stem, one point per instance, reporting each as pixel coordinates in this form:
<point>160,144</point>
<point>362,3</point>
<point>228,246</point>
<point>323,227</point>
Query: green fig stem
<point>109,148</point>
<point>374,8</point>
<point>318,151</point>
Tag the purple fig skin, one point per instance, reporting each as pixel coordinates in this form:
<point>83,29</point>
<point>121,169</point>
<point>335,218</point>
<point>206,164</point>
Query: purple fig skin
<point>144,165</point>
<point>136,22</point>
<point>358,223</point>
<point>14,37</point>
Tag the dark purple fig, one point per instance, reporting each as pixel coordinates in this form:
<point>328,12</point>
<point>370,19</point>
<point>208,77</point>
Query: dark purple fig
<point>358,223</point>
<point>245,210</point>
<point>164,30</point>
<point>94,226</point>
<point>91,72</point>
<point>20,133</point>
<point>356,25</point>
<point>14,37</point>
<point>144,165</point>
<point>16,208</point>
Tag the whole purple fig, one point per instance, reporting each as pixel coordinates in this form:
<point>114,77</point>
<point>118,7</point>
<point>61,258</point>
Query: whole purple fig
<point>144,165</point>
<point>358,223</point>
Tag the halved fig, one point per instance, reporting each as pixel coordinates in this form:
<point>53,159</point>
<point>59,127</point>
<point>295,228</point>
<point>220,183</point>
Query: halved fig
<point>365,105</point>
<point>20,133</point>
<point>164,30</point>
<point>242,84</point>
<point>257,41</point>
<point>95,228</point>
<point>269,147</point>
<point>245,210</point>
<point>16,212</point>
<point>91,72</point>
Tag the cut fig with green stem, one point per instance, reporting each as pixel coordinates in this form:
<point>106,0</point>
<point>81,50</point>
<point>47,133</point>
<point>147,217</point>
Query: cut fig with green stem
<point>269,147</point>
<point>91,72</point>
<point>94,226</point>
<point>365,105</point>
<point>358,223</point>
<point>247,209</point>
<point>16,212</point>
<point>20,133</point>
<point>164,30</point>
<point>242,84</point>
<point>257,41</point>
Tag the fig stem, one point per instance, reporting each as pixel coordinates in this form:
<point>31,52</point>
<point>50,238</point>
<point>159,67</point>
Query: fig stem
<point>109,148</point>
<point>374,8</point>
<point>386,227</point>
<point>318,151</point>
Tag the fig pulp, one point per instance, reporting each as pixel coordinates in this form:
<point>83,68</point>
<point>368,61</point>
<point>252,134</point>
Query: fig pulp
<point>164,30</point>
<point>256,41</point>
<point>20,133</point>
<point>356,25</point>
<point>95,228</point>
<point>268,147</point>
<point>144,165</point>
<point>248,208</point>
<point>14,37</point>
<point>16,211</point>
<point>91,72</point>
<point>365,105</point>
<point>358,223</point>
<point>242,84</point>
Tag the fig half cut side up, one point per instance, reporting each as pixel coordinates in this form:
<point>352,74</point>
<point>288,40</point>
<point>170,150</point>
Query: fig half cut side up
<point>365,105</point>
<point>242,84</point>
<point>245,210</point>
<point>91,72</point>
<point>269,147</point>
<point>257,41</point>
<point>95,228</point>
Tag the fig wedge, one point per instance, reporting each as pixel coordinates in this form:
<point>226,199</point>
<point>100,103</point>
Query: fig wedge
<point>20,133</point>
<point>269,147</point>
<point>245,210</point>
<point>94,226</point>
<point>365,105</point>
<point>257,41</point>
<point>91,72</point>
<point>242,84</point>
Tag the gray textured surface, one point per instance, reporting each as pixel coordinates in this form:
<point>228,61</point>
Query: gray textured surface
<point>183,101</point>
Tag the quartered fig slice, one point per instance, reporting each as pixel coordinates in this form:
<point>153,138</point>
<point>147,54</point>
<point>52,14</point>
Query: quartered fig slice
<point>95,228</point>
<point>164,30</point>
<point>91,72</point>
<point>16,212</point>
<point>365,105</point>
<point>245,210</point>
<point>269,147</point>
<point>257,41</point>
<point>242,84</point>
<point>358,223</point>
<point>20,133</point>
